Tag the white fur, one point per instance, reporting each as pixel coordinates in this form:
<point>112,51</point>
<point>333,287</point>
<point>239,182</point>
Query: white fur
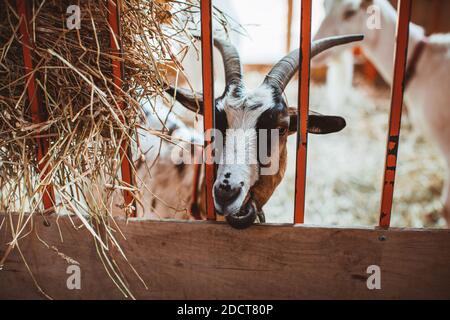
<point>240,150</point>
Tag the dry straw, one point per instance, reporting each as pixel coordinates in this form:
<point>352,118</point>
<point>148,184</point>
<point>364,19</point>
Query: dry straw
<point>82,117</point>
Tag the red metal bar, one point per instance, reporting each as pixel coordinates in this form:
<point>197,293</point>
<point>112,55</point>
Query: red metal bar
<point>401,50</point>
<point>303,110</point>
<point>208,98</point>
<point>118,73</point>
<point>37,109</point>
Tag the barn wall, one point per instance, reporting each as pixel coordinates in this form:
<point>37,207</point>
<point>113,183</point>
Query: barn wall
<point>433,15</point>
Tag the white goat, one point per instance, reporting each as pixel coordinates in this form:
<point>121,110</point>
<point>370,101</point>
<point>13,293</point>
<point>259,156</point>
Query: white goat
<point>427,95</point>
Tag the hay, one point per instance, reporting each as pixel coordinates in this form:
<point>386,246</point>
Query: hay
<point>84,122</point>
<point>83,119</point>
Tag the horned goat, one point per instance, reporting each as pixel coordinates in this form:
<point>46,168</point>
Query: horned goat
<point>241,117</point>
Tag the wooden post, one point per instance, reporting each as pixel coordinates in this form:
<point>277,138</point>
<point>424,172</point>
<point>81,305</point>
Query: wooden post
<point>401,50</point>
<point>303,110</point>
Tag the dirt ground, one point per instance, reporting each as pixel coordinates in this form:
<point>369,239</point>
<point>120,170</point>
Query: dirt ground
<point>345,170</point>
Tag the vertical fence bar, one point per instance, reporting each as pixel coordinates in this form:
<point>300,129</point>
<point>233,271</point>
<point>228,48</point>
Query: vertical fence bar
<point>208,98</point>
<point>303,110</point>
<point>118,74</point>
<point>37,109</point>
<point>401,50</point>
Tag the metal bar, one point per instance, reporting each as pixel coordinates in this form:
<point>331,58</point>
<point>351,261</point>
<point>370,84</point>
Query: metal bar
<point>208,98</point>
<point>118,73</point>
<point>401,50</point>
<point>37,109</point>
<point>303,110</point>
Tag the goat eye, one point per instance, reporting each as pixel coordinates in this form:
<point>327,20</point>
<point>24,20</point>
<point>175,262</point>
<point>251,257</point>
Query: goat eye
<point>282,131</point>
<point>349,13</point>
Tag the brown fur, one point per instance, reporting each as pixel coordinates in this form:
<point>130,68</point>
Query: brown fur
<point>266,184</point>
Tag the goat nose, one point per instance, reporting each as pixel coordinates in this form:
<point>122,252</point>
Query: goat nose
<point>224,193</point>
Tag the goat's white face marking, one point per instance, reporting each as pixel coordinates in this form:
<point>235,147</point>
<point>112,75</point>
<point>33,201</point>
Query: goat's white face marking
<point>238,168</point>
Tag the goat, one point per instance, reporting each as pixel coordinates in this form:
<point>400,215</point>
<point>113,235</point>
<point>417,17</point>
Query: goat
<point>165,186</point>
<point>426,96</point>
<point>240,190</point>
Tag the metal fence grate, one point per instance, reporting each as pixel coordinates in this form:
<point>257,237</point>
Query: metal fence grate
<point>400,57</point>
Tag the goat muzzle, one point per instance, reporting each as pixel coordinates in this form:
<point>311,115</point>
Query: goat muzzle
<point>245,217</point>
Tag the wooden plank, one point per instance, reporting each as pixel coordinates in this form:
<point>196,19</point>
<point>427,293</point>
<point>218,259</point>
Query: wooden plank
<point>210,260</point>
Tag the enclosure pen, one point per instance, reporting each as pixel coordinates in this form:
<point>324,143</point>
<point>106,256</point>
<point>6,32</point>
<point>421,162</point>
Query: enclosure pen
<point>209,259</point>
<point>37,110</point>
<point>208,93</point>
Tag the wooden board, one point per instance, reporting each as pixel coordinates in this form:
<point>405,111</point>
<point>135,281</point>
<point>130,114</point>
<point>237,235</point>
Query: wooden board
<point>206,260</point>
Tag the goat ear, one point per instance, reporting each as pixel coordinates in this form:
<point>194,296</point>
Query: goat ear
<point>190,99</point>
<point>317,123</point>
<point>321,124</point>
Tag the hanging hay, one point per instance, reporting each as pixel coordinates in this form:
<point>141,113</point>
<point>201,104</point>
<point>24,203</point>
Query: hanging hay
<point>82,118</point>
<point>83,121</point>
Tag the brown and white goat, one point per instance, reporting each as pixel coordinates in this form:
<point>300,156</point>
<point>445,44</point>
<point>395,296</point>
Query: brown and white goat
<point>427,96</point>
<point>240,190</point>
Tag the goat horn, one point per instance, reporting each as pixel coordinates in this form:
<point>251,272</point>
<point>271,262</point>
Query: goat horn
<point>284,70</point>
<point>231,61</point>
<point>190,99</point>
<point>233,75</point>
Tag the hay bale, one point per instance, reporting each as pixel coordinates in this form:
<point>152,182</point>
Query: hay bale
<point>82,119</point>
